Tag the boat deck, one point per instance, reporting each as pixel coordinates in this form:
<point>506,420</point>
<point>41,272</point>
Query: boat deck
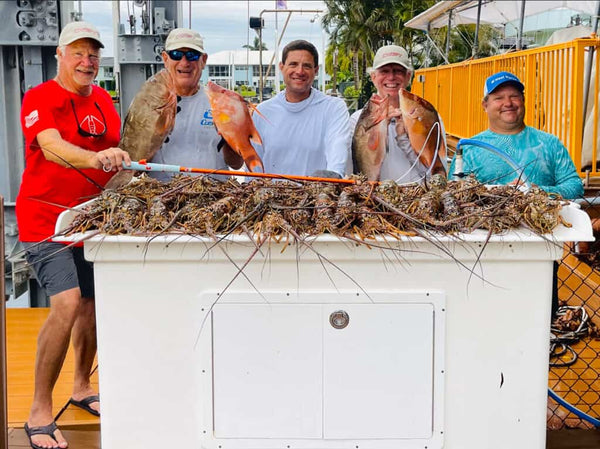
<point>22,327</point>
<point>82,429</point>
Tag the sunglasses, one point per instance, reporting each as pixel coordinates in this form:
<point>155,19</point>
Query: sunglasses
<point>190,55</point>
<point>83,132</point>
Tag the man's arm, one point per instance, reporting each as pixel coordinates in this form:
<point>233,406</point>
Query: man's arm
<point>568,183</point>
<point>231,157</point>
<point>64,153</point>
<point>337,138</point>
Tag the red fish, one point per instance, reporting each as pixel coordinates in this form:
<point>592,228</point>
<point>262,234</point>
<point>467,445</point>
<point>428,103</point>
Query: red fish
<point>370,138</point>
<point>232,119</point>
<point>149,121</point>
<point>424,129</point>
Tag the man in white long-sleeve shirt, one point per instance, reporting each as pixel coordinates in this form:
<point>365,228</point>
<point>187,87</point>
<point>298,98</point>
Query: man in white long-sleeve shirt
<point>304,132</point>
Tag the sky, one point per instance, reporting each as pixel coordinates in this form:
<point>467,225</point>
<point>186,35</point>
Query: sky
<point>223,24</point>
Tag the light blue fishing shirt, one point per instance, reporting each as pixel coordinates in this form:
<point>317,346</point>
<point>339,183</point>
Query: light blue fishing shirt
<point>541,156</point>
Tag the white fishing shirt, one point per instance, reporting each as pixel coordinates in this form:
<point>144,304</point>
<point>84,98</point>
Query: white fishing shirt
<point>193,141</point>
<point>300,138</point>
<point>401,162</point>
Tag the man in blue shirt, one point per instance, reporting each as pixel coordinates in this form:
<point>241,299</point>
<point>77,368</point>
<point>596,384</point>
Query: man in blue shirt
<point>540,156</point>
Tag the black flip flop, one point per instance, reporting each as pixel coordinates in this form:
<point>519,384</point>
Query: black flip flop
<point>41,430</point>
<point>85,404</point>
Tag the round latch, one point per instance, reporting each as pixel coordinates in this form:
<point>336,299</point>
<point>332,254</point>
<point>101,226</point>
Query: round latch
<point>339,319</point>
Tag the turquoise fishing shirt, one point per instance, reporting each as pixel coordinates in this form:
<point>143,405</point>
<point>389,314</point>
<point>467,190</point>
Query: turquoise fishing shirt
<point>540,156</point>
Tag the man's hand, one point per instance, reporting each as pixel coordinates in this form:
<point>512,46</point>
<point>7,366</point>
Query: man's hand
<point>111,159</point>
<point>232,158</point>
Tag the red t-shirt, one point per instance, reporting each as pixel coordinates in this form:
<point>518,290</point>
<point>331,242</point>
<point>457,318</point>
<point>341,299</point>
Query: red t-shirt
<point>49,106</point>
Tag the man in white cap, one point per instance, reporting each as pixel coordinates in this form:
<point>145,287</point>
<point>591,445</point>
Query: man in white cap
<point>194,140</point>
<point>71,131</point>
<point>392,71</point>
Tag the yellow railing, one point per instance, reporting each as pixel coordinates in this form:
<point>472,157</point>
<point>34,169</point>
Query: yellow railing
<point>554,95</point>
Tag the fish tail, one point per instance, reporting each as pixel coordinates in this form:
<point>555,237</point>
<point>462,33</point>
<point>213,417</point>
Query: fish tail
<point>251,158</point>
<point>253,163</point>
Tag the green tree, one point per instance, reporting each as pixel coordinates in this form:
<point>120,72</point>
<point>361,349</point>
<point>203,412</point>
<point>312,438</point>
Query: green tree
<point>359,27</point>
<point>256,46</point>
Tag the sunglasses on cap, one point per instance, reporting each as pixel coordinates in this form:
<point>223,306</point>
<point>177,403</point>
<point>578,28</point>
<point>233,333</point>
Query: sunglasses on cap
<point>190,55</point>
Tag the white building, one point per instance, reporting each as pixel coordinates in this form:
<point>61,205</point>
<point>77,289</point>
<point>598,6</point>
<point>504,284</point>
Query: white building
<point>232,68</point>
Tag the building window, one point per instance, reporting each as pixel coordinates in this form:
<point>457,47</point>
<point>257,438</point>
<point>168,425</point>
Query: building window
<point>215,71</point>
<point>265,67</point>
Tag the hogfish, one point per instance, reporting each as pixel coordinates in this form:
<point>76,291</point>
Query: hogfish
<point>370,137</point>
<point>233,122</point>
<point>149,121</point>
<point>424,129</point>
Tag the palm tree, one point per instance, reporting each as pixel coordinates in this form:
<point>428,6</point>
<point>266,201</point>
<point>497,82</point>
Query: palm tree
<point>256,46</point>
<point>345,21</point>
<point>362,26</point>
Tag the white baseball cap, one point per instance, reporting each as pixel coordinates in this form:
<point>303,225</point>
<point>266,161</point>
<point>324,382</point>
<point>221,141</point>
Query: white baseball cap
<point>391,54</point>
<point>184,38</point>
<point>74,31</point>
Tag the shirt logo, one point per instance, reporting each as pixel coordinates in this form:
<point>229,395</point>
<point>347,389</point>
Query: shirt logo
<point>207,119</point>
<point>31,119</point>
<point>92,124</point>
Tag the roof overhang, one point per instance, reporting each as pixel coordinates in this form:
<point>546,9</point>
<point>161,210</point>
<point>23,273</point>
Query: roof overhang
<point>492,11</point>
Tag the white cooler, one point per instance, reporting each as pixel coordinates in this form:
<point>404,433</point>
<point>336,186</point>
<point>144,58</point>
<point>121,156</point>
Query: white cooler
<point>328,344</point>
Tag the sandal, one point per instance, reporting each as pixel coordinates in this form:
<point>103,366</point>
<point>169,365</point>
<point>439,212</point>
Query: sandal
<point>41,430</point>
<point>85,404</point>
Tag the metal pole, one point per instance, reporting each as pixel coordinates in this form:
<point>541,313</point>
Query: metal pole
<point>335,70</point>
<point>260,75</point>
<point>3,388</point>
<point>521,21</point>
<point>448,34</point>
<point>260,80</point>
<point>276,53</point>
<point>476,38</point>
<point>588,71</point>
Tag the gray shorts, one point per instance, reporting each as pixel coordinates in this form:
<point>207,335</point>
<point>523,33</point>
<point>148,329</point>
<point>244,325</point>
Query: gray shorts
<point>58,268</point>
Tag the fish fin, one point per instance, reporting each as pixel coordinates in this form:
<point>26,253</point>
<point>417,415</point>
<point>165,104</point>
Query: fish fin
<point>373,141</point>
<point>253,109</point>
<point>255,137</point>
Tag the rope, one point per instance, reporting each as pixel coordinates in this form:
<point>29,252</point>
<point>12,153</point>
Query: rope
<point>561,353</point>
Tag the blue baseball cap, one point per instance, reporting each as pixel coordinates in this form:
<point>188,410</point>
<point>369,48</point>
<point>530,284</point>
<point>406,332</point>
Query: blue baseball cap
<point>498,79</point>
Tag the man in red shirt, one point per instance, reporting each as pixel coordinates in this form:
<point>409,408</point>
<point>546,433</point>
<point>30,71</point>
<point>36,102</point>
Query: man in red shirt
<point>68,123</point>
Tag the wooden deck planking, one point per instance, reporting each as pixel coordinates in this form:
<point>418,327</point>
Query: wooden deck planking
<point>22,327</point>
<point>81,436</point>
<point>88,437</point>
<point>83,430</point>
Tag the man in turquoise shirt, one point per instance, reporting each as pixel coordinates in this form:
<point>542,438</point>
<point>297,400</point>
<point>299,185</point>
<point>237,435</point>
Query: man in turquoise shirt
<point>541,157</point>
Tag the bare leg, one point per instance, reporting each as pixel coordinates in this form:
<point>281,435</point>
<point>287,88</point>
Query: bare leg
<point>53,343</point>
<point>84,344</point>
